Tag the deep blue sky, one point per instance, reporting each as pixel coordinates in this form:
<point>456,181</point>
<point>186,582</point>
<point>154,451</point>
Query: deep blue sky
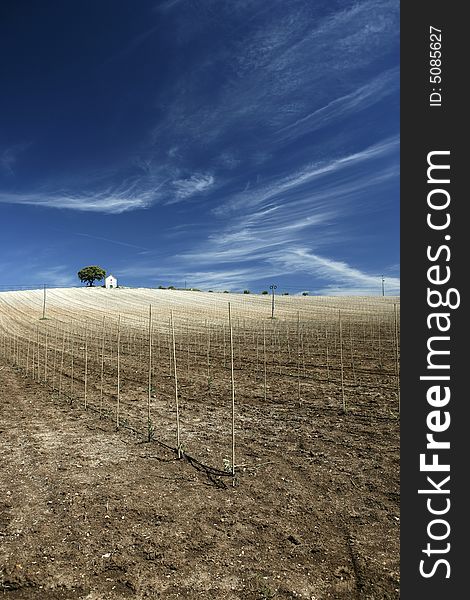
<point>228,143</point>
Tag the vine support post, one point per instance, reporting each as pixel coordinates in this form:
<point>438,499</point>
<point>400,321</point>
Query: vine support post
<point>233,392</point>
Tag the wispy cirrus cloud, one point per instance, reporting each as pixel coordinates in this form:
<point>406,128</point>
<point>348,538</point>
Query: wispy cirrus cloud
<point>284,187</point>
<point>345,278</point>
<point>261,95</point>
<point>358,100</point>
<point>131,194</point>
<point>103,202</point>
<point>331,277</point>
<point>284,224</point>
<point>185,188</point>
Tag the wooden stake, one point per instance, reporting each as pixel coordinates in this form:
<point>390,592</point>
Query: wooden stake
<point>27,355</point>
<point>45,356</point>
<point>379,348</point>
<point>341,358</point>
<point>149,395</point>
<point>327,355</point>
<point>103,335</point>
<point>397,368</point>
<point>38,353</point>
<point>178,442</point>
<point>72,344</point>
<point>208,357</point>
<point>298,358</point>
<point>118,368</point>
<point>55,355</point>
<point>233,393</point>
<point>265,364</point>
<point>85,378</point>
<point>61,363</point>
<point>169,345</point>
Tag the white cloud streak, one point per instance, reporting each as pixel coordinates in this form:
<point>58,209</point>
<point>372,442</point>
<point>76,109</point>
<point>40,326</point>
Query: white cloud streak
<point>185,188</point>
<point>269,66</point>
<point>96,202</point>
<point>346,279</point>
<point>285,186</point>
<point>358,100</point>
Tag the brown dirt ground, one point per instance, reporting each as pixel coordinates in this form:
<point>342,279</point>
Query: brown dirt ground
<point>88,512</point>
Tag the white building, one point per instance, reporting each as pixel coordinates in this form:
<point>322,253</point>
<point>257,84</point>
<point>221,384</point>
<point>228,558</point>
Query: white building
<point>110,282</point>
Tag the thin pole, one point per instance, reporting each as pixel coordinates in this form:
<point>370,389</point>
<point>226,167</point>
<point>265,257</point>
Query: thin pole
<point>38,353</point>
<point>44,303</point>
<point>118,365</point>
<point>298,358</point>
<point>55,355</point>
<point>103,334</point>
<point>61,363</point>
<point>178,443</point>
<point>86,368</point>
<point>379,349</point>
<point>45,356</point>
<point>397,371</point>
<point>149,396</point>
<point>265,363</point>
<point>169,344</point>
<point>27,355</point>
<point>233,392</point>
<point>71,382</point>
<point>208,356</point>
<point>32,357</point>
<point>16,348</point>
<point>327,355</point>
<point>341,357</point>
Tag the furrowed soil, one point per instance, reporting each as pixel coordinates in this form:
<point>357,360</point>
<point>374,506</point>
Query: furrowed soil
<point>88,512</point>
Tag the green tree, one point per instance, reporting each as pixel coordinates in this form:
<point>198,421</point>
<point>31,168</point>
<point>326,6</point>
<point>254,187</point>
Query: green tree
<point>91,274</point>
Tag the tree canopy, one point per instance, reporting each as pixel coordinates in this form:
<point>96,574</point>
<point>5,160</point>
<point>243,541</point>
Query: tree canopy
<point>91,274</point>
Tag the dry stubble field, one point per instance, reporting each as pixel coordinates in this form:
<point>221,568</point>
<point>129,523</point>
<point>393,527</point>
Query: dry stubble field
<point>96,504</point>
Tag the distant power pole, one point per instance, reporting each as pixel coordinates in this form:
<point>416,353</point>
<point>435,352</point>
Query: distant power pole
<point>383,289</point>
<point>272,288</point>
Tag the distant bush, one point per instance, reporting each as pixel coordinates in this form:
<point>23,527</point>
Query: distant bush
<point>304,293</point>
<point>210,291</point>
<point>246,291</point>
<point>264,292</point>
<point>160,287</point>
<point>171,287</point>
<point>226,291</point>
<point>285,294</point>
